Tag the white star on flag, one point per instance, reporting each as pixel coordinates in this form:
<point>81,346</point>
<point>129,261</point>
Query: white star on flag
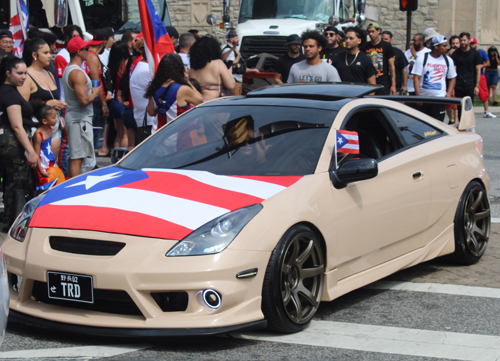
<point>49,149</point>
<point>92,180</point>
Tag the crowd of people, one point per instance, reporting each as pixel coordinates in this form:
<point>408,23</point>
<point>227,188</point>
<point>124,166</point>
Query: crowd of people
<point>58,115</point>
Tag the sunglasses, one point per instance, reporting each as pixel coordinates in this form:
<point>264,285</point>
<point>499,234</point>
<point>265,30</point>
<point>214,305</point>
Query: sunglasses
<point>330,34</point>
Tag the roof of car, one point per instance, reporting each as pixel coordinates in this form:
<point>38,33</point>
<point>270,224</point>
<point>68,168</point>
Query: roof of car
<point>331,96</point>
<point>320,91</point>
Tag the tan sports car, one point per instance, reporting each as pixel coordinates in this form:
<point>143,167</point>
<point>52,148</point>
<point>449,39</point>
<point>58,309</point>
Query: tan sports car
<point>249,211</point>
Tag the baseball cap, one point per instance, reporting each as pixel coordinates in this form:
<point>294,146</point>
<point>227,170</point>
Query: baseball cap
<point>293,39</point>
<point>438,40</point>
<point>429,33</point>
<point>373,24</point>
<point>332,28</point>
<point>4,33</point>
<point>100,35</point>
<point>231,34</point>
<point>139,36</point>
<point>473,41</point>
<point>110,32</point>
<point>75,44</point>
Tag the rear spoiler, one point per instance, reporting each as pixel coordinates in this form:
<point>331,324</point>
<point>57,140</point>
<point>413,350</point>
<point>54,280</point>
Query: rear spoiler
<point>467,119</point>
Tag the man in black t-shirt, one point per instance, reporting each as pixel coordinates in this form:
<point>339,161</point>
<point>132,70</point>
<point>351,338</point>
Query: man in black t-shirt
<point>293,56</point>
<point>468,63</point>
<point>400,63</point>
<point>353,65</point>
<point>382,56</point>
<point>332,37</point>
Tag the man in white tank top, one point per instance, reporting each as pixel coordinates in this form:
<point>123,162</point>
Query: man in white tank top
<point>79,97</point>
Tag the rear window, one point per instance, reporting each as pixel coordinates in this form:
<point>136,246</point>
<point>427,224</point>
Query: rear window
<point>238,140</point>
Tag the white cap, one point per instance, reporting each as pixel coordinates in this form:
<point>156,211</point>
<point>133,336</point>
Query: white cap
<point>429,33</point>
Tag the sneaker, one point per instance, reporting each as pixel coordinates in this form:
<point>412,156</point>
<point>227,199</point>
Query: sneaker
<point>489,114</point>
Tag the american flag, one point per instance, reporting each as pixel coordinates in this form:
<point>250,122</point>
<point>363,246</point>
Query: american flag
<point>157,42</point>
<point>19,24</point>
<point>347,142</point>
<point>160,203</point>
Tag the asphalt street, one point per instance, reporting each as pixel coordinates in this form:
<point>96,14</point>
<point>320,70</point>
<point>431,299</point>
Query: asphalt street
<point>432,311</point>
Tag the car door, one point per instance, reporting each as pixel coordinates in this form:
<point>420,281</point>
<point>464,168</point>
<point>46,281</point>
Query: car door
<point>382,218</point>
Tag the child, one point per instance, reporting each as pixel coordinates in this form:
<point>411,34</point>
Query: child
<point>47,174</point>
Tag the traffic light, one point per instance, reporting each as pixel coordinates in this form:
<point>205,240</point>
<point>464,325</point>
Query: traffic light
<point>408,5</point>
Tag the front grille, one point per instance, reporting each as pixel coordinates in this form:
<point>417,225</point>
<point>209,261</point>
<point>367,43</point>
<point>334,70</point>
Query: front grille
<point>252,45</point>
<point>89,247</point>
<point>171,301</point>
<point>107,301</point>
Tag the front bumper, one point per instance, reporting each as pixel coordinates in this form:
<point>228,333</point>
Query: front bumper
<point>139,270</point>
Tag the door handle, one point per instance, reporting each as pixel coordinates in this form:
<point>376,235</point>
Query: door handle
<point>417,175</point>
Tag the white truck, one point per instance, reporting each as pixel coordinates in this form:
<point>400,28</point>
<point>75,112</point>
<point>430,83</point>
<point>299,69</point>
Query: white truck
<point>263,25</point>
<point>121,15</point>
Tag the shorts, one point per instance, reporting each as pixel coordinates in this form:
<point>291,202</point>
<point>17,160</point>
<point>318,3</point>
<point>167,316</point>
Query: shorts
<point>80,140</point>
<point>437,111</point>
<point>452,106</point>
<point>491,77</point>
<point>116,109</point>
<point>56,129</point>
<point>128,118</point>
<point>484,94</point>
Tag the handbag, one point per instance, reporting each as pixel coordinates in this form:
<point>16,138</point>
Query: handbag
<point>144,131</point>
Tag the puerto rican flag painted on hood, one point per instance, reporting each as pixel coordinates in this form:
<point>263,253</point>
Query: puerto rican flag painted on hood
<point>160,203</point>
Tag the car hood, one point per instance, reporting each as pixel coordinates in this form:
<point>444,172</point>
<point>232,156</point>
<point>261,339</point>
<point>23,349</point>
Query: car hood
<point>160,203</point>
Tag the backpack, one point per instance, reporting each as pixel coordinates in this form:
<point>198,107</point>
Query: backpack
<point>107,79</point>
<point>239,67</point>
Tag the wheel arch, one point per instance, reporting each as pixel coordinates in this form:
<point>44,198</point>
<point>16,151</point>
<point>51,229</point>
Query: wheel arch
<point>319,235</point>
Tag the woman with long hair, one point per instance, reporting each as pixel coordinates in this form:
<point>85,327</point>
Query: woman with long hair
<point>41,84</point>
<point>15,122</point>
<point>208,68</point>
<point>170,92</point>
<point>491,73</point>
<point>118,58</point>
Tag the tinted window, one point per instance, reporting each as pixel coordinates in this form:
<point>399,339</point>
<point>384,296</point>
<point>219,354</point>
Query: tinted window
<point>412,129</point>
<point>238,140</point>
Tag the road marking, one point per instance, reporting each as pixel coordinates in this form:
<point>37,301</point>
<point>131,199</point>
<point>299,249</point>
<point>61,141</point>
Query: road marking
<point>84,352</point>
<point>392,340</point>
<point>448,289</point>
<point>495,220</point>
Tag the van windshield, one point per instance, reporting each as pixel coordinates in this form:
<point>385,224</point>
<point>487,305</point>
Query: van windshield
<point>121,15</point>
<point>315,10</point>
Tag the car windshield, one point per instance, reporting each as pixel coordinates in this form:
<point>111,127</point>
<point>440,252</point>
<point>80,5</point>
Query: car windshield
<point>315,10</point>
<point>238,140</point>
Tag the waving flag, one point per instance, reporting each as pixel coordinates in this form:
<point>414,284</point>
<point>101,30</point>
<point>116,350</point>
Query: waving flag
<point>161,203</point>
<point>19,27</point>
<point>157,42</point>
<point>347,142</point>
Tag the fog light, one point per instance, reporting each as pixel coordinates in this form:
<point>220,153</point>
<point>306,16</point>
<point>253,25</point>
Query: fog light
<point>212,298</point>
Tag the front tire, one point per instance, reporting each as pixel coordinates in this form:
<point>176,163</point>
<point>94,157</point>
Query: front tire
<point>293,284</point>
<point>472,225</point>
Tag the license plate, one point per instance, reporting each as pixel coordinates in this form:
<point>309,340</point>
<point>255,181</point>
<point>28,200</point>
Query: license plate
<point>70,287</point>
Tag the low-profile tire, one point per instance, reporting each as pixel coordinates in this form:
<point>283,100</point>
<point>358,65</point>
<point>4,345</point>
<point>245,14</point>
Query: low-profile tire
<point>472,225</point>
<point>293,284</point>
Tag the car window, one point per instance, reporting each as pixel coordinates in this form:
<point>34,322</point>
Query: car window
<point>413,130</point>
<point>238,140</point>
<point>376,137</point>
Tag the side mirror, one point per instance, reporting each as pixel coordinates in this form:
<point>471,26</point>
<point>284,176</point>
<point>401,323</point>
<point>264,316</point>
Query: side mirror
<point>211,19</point>
<point>61,13</point>
<point>354,170</point>
<point>118,153</point>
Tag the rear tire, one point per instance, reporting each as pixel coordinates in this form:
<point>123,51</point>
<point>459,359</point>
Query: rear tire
<point>472,225</point>
<point>293,284</point>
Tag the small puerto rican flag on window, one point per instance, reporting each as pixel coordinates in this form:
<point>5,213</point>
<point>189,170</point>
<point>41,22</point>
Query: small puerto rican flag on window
<point>347,142</point>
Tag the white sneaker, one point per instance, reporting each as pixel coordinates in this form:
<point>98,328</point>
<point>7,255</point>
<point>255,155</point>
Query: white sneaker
<point>489,114</point>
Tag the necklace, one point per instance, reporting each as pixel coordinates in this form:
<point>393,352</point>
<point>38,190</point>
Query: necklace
<point>351,61</point>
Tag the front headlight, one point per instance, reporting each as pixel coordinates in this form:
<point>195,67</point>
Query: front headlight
<point>216,235</point>
<point>20,227</point>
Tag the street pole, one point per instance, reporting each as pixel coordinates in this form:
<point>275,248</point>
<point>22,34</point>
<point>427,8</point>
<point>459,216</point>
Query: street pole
<point>408,29</point>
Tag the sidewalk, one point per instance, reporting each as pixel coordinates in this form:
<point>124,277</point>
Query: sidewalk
<point>480,110</point>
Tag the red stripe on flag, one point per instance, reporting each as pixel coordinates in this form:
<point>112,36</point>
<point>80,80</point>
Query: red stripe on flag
<point>285,181</point>
<point>181,186</point>
<point>108,220</point>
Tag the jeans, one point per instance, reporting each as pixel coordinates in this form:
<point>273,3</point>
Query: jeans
<point>99,124</point>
